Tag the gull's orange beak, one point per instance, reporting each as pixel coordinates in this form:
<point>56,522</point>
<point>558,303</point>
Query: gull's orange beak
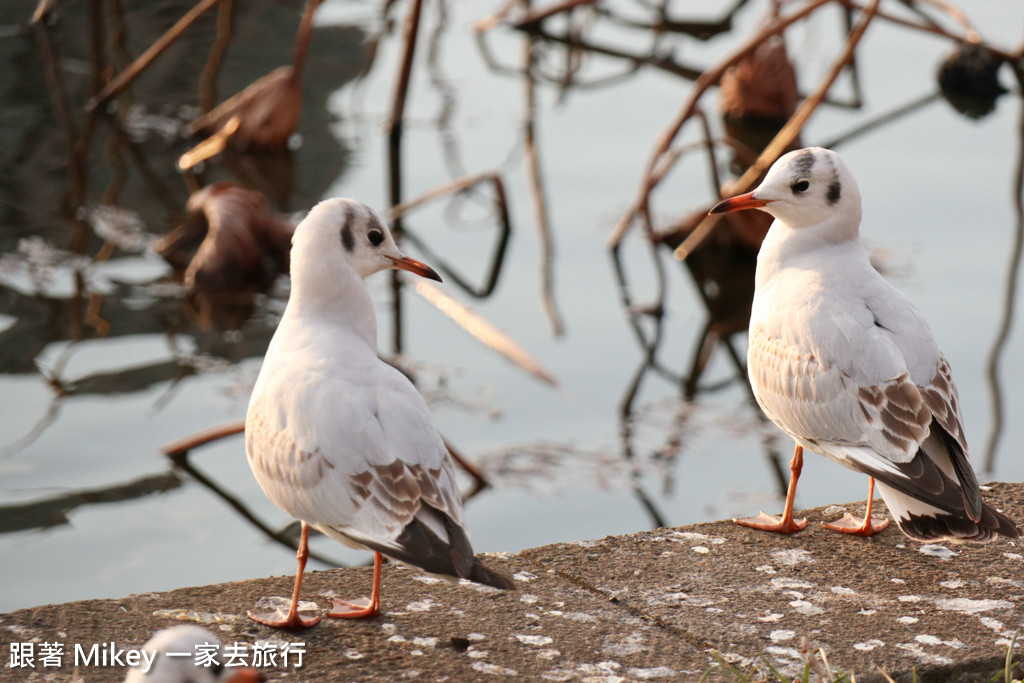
<point>417,267</point>
<point>738,203</point>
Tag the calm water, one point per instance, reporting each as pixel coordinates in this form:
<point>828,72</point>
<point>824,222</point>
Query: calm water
<point>93,509</point>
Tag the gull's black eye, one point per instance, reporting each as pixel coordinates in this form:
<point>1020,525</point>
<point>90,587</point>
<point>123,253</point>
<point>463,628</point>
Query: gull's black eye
<point>375,237</point>
<point>799,186</point>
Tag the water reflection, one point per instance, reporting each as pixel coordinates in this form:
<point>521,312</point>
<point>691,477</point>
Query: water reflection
<point>284,537</point>
<point>758,101</point>
<point>1002,335</point>
<point>53,511</point>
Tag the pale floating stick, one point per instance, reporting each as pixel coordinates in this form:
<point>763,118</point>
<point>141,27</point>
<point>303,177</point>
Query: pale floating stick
<point>707,79</point>
<point>43,9</point>
<point>211,146</point>
<point>531,18</point>
<point>487,333</point>
<point>135,68</point>
<point>785,136</point>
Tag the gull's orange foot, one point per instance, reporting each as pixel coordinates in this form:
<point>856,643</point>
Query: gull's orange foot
<point>277,619</point>
<point>350,610</point>
<point>853,525</point>
<point>776,523</point>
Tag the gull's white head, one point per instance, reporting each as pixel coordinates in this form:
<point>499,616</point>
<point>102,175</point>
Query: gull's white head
<point>184,642</point>
<point>806,187</point>
<point>352,231</point>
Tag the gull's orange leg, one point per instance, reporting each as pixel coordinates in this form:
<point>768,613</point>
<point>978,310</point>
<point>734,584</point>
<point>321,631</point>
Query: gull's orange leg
<point>349,610</point>
<point>787,524</point>
<point>292,620</point>
<point>851,525</point>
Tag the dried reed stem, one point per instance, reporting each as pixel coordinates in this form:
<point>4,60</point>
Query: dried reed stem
<point>472,470</point>
<point>178,448</point>
<point>788,133</point>
<point>206,94</point>
<point>535,17</point>
<point>394,126</point>
<point>707,79</point>
<point>457,185</point>
<point>538,200</point>
<point>1009,299</point>
<point>135,68</point>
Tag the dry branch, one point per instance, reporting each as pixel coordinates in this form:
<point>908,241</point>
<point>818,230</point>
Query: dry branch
<point>268,110</point>
<point>788,133</point>
<point>707,79</point>
<point>135,68</point>
<point>178,448</point>
<point>396,213</point>
<point>206,79</point>
<point>535,17</point>
<point>453,187</point>
<point>538,199</point>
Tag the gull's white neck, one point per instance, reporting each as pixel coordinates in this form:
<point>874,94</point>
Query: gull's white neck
<point>786,247</point>
<point>327,289</point>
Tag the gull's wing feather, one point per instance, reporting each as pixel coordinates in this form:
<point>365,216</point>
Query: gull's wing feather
<point>865,384</point>
<point>359,458</point>
<point>350,449</point>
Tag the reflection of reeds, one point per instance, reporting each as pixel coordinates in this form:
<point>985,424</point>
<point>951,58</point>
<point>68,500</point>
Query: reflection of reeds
<point>497,260</point>
<point>206,95</point>
<point>178,451</point>
<point>394,127</point>
<point>482,329</point>
<point>1009,298</point>
<point>282,538</point>
<point>264,116</point>
<point>118,83</point>
<point>50,512</point>
<point>77,138</point>
<point>538,199</point>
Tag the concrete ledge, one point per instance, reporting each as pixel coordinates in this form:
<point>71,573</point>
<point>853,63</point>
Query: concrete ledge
<point>647,606</point>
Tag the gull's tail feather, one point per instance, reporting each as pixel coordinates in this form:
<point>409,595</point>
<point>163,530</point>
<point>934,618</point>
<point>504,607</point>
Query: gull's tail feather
<point>483,574</point>
<point>924,522</point>
<point>419,546</point>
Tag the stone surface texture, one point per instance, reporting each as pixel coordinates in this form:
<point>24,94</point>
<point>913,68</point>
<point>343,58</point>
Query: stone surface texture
<point>662,605</point>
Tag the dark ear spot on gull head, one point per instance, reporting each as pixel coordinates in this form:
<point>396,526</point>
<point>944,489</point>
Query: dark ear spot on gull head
<point>834,192</point>
<point>834,188</point>
<point>348,240</point>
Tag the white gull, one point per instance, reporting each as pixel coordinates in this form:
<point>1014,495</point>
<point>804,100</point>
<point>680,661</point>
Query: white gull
<point>340,439</point>
<point>845,364</point>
